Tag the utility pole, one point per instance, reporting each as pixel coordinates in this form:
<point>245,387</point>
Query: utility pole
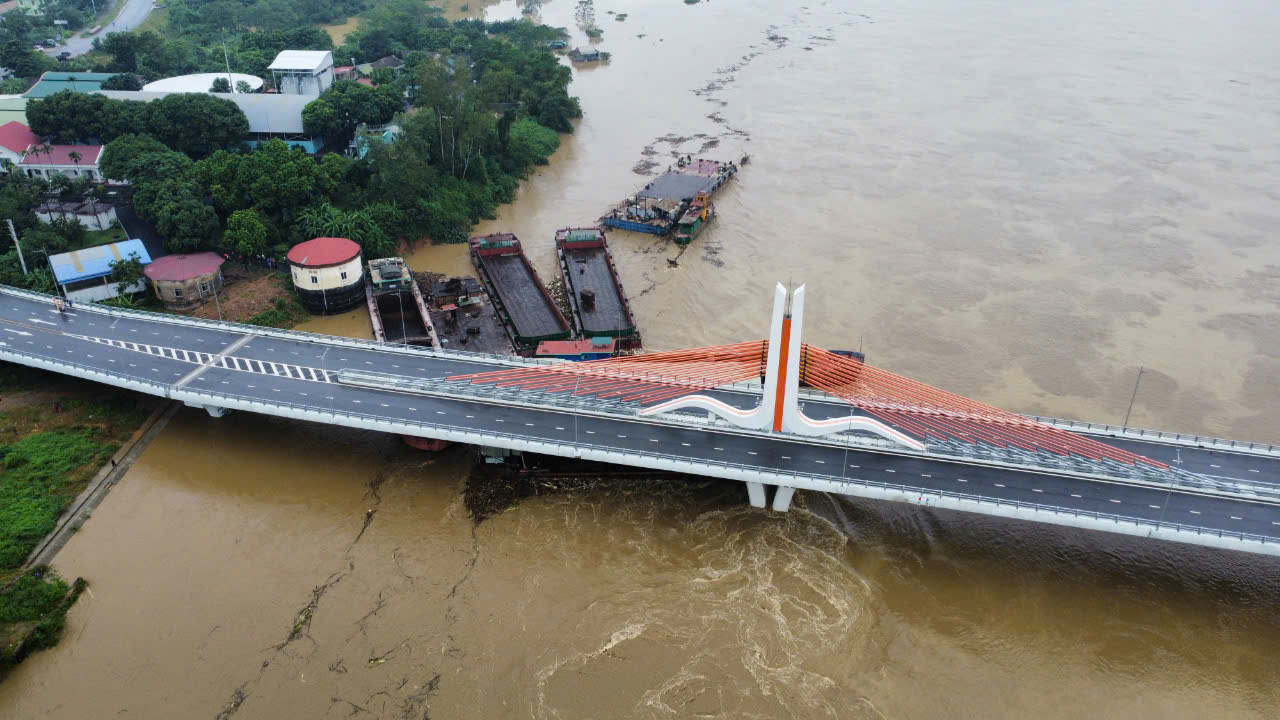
<point>1134,395</point>
<point>14,233</point>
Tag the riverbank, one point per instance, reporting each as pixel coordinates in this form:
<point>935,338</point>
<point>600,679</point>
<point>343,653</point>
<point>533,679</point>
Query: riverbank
<point>62,441</point>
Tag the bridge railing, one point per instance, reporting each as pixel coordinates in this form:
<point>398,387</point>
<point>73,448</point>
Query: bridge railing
<point>310,411</point>
<point>696,463</point>
<point>246,328</point>
<point>1143,433</point>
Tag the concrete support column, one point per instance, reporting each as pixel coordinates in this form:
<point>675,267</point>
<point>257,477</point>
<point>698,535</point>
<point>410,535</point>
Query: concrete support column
<point>782,498</point>
<point>755,493</point>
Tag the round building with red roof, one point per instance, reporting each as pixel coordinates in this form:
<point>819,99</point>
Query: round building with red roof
<point>184,281</point>
<point>328,273</point>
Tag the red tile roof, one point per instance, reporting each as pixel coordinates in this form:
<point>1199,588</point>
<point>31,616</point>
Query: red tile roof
<point>183,267</point>
<point>61,155</point>
<point>17,137</point>
<point>365,81</point>
<point>323,251</point>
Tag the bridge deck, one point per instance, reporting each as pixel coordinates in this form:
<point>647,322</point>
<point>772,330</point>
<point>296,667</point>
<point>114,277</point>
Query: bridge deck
<point>31,331</point>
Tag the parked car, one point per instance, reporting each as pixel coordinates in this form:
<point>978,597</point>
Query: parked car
<point>50,42</point>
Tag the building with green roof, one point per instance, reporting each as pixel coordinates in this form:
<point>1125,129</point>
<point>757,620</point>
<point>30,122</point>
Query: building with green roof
<point>13,108</point>
<point>52,82</point>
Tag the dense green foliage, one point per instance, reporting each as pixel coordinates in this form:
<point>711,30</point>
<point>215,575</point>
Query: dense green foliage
<point>192,123</point>
<point>40,598</point>
<point>347,104</point>
<point>126,272</point>
<point>34,469</point>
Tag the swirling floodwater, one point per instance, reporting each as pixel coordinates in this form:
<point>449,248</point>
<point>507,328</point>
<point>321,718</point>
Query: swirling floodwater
<point>1021,203</point>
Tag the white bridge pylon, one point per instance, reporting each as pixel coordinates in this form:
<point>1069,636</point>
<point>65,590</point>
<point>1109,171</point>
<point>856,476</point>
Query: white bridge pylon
<point>779,409</point>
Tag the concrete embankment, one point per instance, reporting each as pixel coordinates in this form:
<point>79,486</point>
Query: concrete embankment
<point>106,478</point>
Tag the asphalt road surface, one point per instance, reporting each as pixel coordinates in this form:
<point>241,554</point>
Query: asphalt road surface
<point>129,17</point>
<point>298,372</point>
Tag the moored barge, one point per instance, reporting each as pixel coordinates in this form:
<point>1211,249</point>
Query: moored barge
<point>524,306</point>
<point>599,304</point>
<point>396,307</point>
<point>658,206</point>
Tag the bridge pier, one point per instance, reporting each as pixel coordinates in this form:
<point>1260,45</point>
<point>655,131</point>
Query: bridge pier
<point>782,498</point>
<point>758,494</point>
<point>213,410</point>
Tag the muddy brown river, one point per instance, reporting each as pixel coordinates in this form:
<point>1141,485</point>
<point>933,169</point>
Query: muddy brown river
<point>1023,203</point>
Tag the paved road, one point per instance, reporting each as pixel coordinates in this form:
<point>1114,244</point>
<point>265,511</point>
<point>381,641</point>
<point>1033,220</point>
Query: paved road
<point>130,17</point>
<point>297,372</point>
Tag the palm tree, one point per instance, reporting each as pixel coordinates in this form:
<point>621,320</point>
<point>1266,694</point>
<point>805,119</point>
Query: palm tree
<point>72,79</point>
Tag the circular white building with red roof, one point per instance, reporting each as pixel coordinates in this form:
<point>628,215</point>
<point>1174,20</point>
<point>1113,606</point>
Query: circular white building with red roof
<point>328,273</point>
<point>184,281</point>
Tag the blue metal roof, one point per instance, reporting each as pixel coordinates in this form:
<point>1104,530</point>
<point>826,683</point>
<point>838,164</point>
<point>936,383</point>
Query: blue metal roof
<point>96,261</point>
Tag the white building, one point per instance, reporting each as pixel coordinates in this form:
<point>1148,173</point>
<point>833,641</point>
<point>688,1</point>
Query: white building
<point>74,161</point>
<point>201,82</point>
<point>302,72</point>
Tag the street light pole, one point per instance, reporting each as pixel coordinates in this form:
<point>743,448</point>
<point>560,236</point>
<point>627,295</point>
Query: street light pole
<point>14,233</point>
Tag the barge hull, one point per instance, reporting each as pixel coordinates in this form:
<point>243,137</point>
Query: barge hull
<point>523,303</point>
<point>587,266</point>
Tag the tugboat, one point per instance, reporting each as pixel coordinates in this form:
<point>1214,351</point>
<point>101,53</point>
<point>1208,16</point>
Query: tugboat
<point>695,219</point>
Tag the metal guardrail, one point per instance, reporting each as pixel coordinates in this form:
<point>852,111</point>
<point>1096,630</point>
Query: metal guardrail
<point>165,389</point>
<point>1131,432</point>
<point>246,328</point>
<point>591,404</point>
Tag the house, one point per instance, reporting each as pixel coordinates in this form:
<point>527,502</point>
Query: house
<point>95,215</point>
<point>365,136</point>
<point>73,161</point>
<point>344,72</point>
<point>270,115</point>
<point>52,82</point>
<point>302,72</point>
<point>390,61</point>
<point>15,138</point>
<point>182,282</point>
<point>85,275</point>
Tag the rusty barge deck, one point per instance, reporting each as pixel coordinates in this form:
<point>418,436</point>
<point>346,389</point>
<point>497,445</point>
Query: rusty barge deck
<point>522,301</point>
<point>599,304</point>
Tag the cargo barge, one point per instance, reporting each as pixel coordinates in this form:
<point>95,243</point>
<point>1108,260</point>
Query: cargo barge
<point>523,304</point>
<point>658,206</point>
<point>396,307</point>
<point>599,304</point>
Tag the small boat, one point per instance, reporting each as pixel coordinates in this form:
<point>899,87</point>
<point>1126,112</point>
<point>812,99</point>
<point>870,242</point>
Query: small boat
<point>695,219</point>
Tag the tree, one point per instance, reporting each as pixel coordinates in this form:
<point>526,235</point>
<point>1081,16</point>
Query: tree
<point>274,179</point>
<point>461,126</point>
<point>196,123</point>
<point>120,153</point>
<point>220,85</point>
<point>122,81</point>
<point>360,226</point>
<point>18,56</point>
<point>245,233</point>
<point>382,76</point>
<point>243,86</point>
<point>126,272</point>
<point>344,106</point>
